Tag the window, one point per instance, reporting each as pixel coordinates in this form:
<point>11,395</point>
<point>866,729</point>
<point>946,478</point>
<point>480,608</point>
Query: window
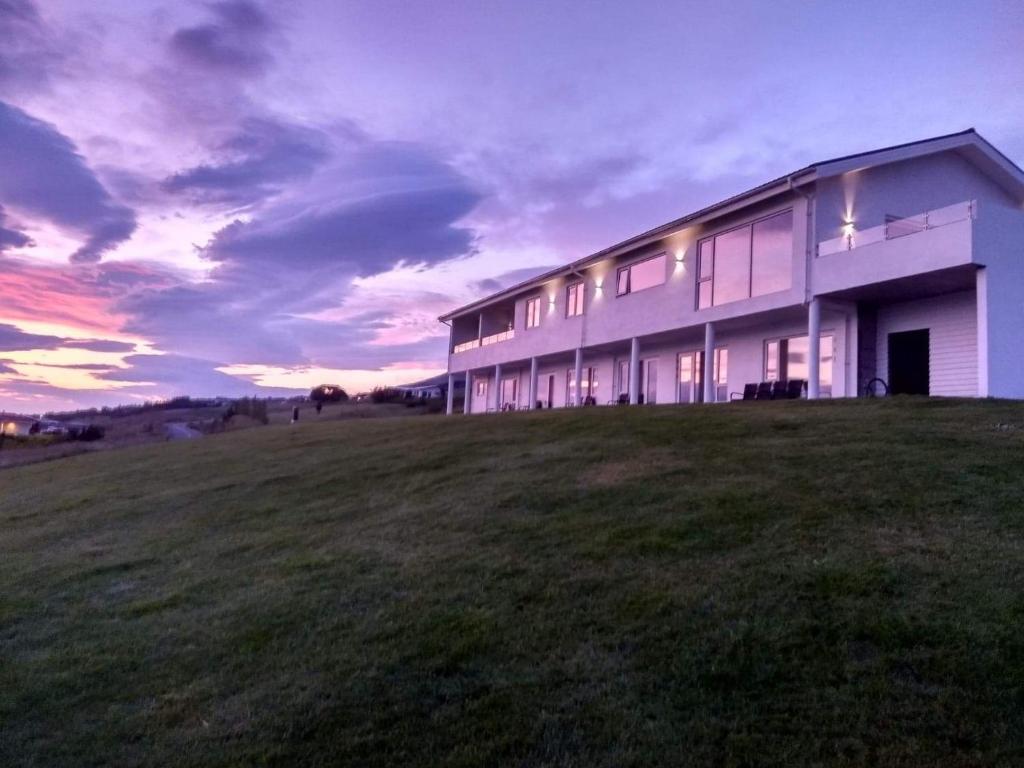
<point>533,312</point>
<point>640,275</point>
<point>721,375</point>
<point>574,300</point>
<point>750,260</point>
<point>509,392</point>
<point>691,376</point>
<point>623,378</point>
<point>649,383</point>
<point>589,385</point>
<point>786,359</point>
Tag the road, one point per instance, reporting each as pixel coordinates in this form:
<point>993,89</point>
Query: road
<point>179,430</point>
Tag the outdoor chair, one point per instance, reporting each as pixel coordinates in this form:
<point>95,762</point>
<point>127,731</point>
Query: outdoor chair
<point>749,393</point>
<point>795,389</point>
<point>778,390</point>
<point>764,391</point>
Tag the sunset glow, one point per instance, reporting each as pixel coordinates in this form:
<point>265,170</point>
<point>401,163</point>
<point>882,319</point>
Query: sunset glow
<point>250,198</point>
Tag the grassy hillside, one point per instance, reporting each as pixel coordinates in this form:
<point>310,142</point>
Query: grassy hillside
<point>781,584</point>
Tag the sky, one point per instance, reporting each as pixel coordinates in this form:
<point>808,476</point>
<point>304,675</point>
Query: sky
<point>245,197</point>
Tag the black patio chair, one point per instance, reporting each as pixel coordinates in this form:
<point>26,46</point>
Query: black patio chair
<point>795,389</point>
<point>778,390</point>
<point>764,391</point>
<point>749,393</point>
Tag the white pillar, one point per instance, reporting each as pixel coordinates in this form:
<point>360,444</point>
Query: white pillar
<point>709,363</point>
<point>981,308</point>
<point>451,395</point>
<point>634,371</point>
<point>578,395</point>
<point>813,349</point>
<point>497,387</point>
<point>533,383</point>
<point>467,395</point>
<point>853,351</point>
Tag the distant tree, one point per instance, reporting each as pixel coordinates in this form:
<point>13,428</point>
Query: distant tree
<point>386,395</point>
<point>328,393</point>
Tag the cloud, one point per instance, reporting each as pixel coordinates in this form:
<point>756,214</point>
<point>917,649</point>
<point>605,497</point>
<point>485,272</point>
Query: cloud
<point>42,173</point>
<point>381,204</point>
<point>260,157</point>
<point>376,205</point>
<point>181,375</point>
<point>233,43</point>
<point>11,238</point>
<point>508,279</point>
<point>99,345</point>
<point>13,339</point>
<point>28,53</point>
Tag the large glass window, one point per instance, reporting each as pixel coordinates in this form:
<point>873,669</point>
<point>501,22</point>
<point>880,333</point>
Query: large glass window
<point>533,312</point>
<point>574,300</point>
<point>589,385</point>
<point>786,359</point>
<point>771,260</point>
<point>750,260</point>
<point>643,274</point>
<point>623,378</point>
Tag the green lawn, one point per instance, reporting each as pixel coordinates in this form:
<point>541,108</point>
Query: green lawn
<point>782,584</point>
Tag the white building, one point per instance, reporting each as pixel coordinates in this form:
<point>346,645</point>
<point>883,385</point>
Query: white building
<point>904,265</point>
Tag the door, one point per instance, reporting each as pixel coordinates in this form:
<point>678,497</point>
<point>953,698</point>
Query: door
<point>550,401</point>
<point>686,377</point>
<point>908,362</point>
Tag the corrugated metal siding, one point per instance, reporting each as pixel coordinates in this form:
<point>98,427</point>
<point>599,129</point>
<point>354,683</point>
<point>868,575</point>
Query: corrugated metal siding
<point>952,323</point>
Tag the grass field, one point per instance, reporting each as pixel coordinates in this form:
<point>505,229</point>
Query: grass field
<point>792,584</point>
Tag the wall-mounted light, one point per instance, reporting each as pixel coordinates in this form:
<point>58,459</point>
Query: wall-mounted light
<point>680,256</point>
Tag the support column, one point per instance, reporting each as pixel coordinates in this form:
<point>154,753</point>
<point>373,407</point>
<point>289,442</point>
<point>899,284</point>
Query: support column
<point>497,387</point>
<point>533,383</point>
<point>634,371</point>
<point>852,351</point>
<point>814,349</point>
<point>451,395</point>
<point>578,394</point>
<point>467,395</point>
<point>981,308</point>
<point>708,375</point>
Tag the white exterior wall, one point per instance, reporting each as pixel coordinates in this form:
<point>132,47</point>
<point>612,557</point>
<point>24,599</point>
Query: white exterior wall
<point>609,318</point>
<point>953,340</point>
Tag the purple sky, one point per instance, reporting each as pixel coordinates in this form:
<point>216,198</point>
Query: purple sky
<point>242,197</point>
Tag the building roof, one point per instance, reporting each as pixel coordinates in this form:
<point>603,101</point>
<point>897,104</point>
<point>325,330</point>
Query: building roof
<point>984,154</point>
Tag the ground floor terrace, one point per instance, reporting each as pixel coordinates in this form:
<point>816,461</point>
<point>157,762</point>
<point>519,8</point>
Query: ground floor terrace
<point>918,337</point>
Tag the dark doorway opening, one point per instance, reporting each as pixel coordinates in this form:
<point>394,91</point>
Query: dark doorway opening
<point>908,362</point>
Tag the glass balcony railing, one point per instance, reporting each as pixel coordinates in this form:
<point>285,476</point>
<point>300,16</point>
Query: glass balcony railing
<point>494,338</point>
<point>896,227</point>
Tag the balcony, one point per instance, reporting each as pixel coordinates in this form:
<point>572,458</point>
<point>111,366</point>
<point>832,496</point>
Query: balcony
<point>494,338</point>
<point>901,248</point>
<point>895,228</point>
